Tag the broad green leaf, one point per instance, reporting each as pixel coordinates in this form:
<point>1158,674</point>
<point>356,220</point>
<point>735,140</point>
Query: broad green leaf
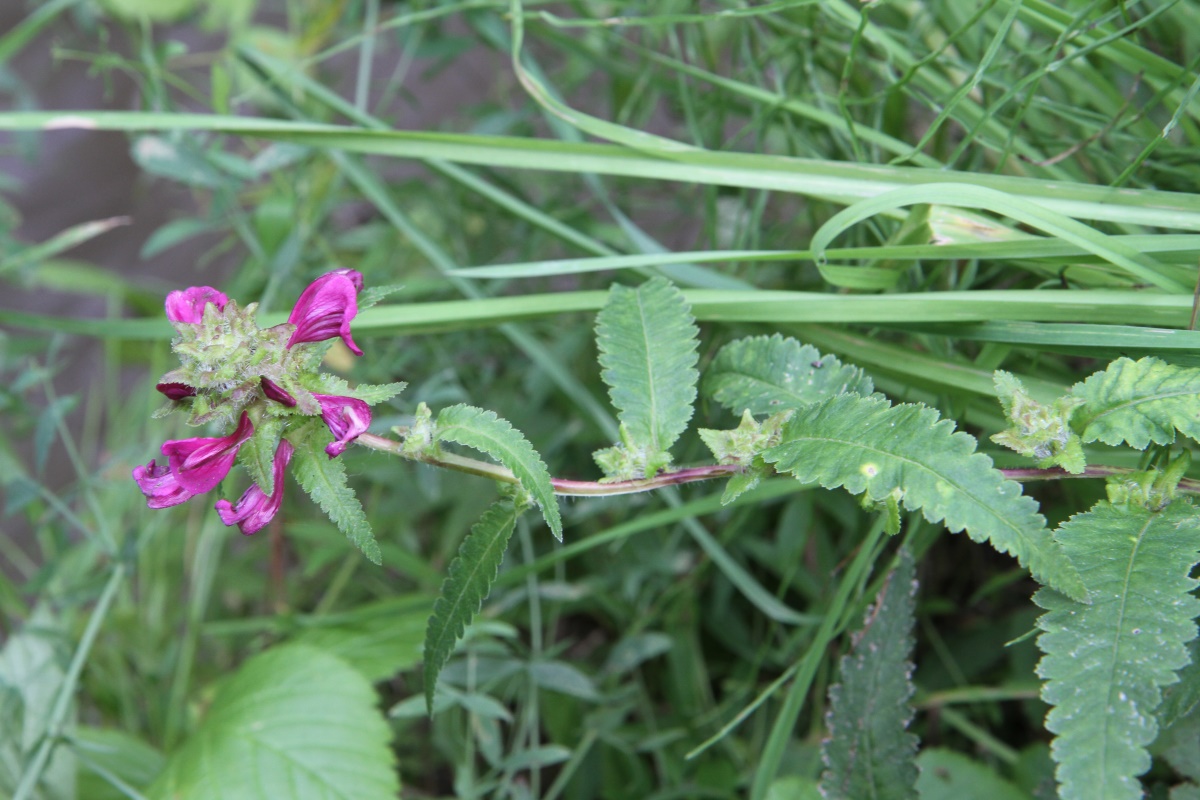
<point>324,479</point>
<point>1139,402</point>
<point>378,639</point>
<point>870,755</point>
<point>648,348</point>
<point>467,583</point>
<point>257,454</point>
<point>32,672</point>
<point>488,433</point>
<point>867,445</point>
<point>1106,662</point>
<point>292,722</point>
<point>768,374</point>
<point>947,775</point>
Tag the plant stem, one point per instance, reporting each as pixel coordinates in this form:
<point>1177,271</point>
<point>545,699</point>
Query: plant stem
<point>570,488</point>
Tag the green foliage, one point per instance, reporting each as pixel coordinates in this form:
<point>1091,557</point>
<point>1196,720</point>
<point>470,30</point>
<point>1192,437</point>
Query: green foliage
<point>1107,660</point>
<point>325,481</point>
<point>488,433</point>
<point>867,445</point>
<point>1039,431</point>
<point>870,755</point>
<point>1138,402</point>
<point>769,374</point>
<point>648,344</point>
<point>257,454</point>
<point>268,730</point>
<point>947,775</point>
<point>468,581</point>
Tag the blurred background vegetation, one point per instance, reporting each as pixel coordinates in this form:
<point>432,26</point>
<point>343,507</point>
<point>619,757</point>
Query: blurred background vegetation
<point>600,665</point>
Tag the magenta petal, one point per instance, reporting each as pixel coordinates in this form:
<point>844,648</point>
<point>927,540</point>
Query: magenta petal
<point>188,305</point>
<point>176,391</point>
<point>275,392</point>
<point>325,309</point>
<point>347,417</point>
<point>159,486</point>
<point>254,509</point>
<point>200,464</point>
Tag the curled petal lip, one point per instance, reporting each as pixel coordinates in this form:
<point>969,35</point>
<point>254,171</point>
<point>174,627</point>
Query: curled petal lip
<point>159,485</point>
<point>347,418</point>
<point>199,464</point>
<point>188,305</point>
<point>176,391</point>
<point>254,509</point>
<point>325,309</point>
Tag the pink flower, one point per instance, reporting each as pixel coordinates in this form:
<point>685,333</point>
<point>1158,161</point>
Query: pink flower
<point>176,391</point>
<point>188,305</point>
<point>275,392</point>
<point>254,508</point>
<point>159,485</point>
<point>326,307</point>
<point>199,464</point>
<point>347,417</point>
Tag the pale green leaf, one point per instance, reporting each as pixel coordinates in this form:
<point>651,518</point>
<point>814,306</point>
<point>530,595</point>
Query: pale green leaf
<point>1106,662</point>
<point>947,775</point>
<point>866,444</point>
<point>32,673</point>
<point>870,755</point>
<point>488,433</point>
<point>648,349</point>
<point>768,374</point>
<point>324,479</point>
<point>293,722</point>
<point>369,393</point>
<point>1139,402</point>
<point>378,639</point>
<point>467,583</point>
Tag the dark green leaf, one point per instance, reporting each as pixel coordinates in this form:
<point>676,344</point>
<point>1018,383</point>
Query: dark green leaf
<point>467,583</point>
<point>325,481</point>
<point>1139,402</point>
<point>870,755</point>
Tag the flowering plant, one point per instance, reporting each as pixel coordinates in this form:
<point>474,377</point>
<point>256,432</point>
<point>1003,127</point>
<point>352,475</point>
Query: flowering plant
<point>265,384</point>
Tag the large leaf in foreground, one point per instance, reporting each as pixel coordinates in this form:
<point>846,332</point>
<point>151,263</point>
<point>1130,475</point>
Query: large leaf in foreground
<point>1139,402</point>
<point>870,755</point>
<point>866,444</point>
<point>768,374</point>
<point>294,722</point>
<point>1106,662</point>
<point>467,583</point>
<point>648,348</point>
<point>488,433</point>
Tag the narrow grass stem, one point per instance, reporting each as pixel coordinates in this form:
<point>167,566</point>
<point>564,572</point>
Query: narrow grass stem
<point>572,488</point>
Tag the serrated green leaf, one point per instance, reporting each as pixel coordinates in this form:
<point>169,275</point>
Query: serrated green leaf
<point>648,347</point>
<point>324,479</point>
<point>293,722</point>
<point>468,581</point>
<point>870,755</point>
<point>768,374</point>
<point>866,444</point>
<point>1106,662</point>
<point>375,393</point>
<point>257,454</point>
<point>484,431</point>
<point>1139,402</point>
<point>947,775</point>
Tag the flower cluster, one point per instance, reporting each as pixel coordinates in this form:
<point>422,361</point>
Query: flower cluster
<point>262,382</point>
